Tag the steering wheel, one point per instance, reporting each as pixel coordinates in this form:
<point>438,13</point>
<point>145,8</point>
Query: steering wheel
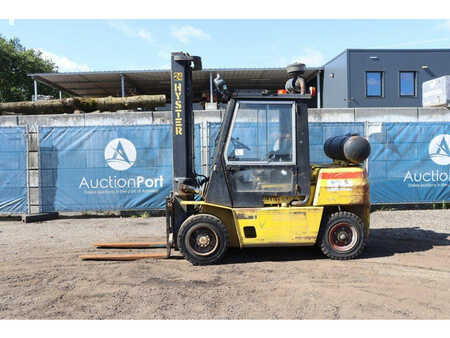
<point>274,156</point>
<point>238,144</point>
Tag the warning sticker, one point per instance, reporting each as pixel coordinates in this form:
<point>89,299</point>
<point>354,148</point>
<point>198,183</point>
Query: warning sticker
<point>340,185</point>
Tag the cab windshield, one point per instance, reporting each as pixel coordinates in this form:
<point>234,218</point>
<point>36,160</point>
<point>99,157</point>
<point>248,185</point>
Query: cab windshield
<point>262,133</point>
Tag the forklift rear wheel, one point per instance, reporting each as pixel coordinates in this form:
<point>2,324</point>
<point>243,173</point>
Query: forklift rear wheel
<point>343,237</point>
<point>203,239</point>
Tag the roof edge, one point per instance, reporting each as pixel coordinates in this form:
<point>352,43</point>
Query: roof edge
<point>398,50</point>
<point>162,71</point>
<point>337,56</point>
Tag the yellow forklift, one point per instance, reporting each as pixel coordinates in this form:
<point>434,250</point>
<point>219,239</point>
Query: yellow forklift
<point>262,189</point>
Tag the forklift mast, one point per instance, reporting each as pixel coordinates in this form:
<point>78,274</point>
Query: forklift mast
<point>182,65</point>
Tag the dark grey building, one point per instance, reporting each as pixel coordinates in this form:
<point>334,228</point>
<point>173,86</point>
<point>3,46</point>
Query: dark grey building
<point>381,77</point>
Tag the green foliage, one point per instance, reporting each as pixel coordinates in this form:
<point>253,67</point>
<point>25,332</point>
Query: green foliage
<point>15,63</point>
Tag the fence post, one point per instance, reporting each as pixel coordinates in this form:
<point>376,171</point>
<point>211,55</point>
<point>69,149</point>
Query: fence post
<point>27,150</point>
<point>33,172</point>
<point>204,144</point>
<point>34,189</point>
<point>369,129</point>
<point>366,135</point>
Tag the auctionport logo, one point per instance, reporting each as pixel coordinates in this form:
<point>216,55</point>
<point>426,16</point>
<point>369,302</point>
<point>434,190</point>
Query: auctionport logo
<point>120,154</point>
<point>439,149</point>
<point>439,152</point>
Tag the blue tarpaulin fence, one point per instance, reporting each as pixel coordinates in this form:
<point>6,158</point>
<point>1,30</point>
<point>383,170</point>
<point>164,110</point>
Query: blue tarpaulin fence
<point>213,132</point>
<point>319,132</point>
<point>104,168</point>
<point>107,167</point>
<point>410,163</point>
<point>13,170</point>
<point>401,165</point>
<point>96,168</point>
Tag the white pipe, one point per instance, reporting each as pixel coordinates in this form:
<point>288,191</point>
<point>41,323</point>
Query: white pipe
<point>211,97</point>
<point>122,84</point>
<point>35,90</point>
<point>319,102</point>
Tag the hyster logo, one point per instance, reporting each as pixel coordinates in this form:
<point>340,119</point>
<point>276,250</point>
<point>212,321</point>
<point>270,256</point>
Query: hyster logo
<point>439,149</point>
<point>120,154</point>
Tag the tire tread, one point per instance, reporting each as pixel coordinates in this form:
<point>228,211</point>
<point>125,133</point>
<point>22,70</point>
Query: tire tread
<point>323,245</point>
<point>194,219</point>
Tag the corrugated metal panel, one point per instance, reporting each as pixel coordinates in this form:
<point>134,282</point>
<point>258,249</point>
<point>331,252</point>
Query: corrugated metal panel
<point>158,81</point>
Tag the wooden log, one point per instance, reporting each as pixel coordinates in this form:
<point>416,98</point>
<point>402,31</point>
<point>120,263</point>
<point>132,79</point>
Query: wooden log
<point>83,104</point>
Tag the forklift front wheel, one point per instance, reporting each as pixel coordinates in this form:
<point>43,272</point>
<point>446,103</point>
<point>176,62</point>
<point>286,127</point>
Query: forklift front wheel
<point>203,239</point>
<point>343,237</point>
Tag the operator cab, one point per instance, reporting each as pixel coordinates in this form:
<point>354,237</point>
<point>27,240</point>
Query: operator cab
<point>261,150</point>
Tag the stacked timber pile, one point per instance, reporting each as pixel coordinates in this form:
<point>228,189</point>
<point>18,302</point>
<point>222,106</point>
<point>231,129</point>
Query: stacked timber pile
<point>83,104</point>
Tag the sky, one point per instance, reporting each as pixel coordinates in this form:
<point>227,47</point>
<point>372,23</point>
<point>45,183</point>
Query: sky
<point>103,45</point>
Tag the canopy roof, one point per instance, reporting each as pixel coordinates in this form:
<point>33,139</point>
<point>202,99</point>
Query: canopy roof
<point>98,84</point>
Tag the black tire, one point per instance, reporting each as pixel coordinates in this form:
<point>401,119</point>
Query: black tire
<point>203,239</point>
<point>343,236</point>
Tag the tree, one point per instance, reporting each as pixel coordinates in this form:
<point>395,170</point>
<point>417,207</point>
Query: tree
<point>15,63</point>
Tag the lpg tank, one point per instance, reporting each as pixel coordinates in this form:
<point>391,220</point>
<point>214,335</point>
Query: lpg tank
<point>350,147</point>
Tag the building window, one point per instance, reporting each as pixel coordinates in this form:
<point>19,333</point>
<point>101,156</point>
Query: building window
<point>374,84</point>
<point>407,83</point>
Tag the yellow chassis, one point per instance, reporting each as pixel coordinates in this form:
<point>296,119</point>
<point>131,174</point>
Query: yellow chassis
<point>279,224</point>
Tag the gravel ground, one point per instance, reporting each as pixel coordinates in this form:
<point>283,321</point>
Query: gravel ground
<point>403,274</point>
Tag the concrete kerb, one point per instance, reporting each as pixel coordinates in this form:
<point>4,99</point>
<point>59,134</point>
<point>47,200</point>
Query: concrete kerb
<point>434,114</point>
<point>393,114</point>
<point>9,120</point>
<point>331,115</point>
